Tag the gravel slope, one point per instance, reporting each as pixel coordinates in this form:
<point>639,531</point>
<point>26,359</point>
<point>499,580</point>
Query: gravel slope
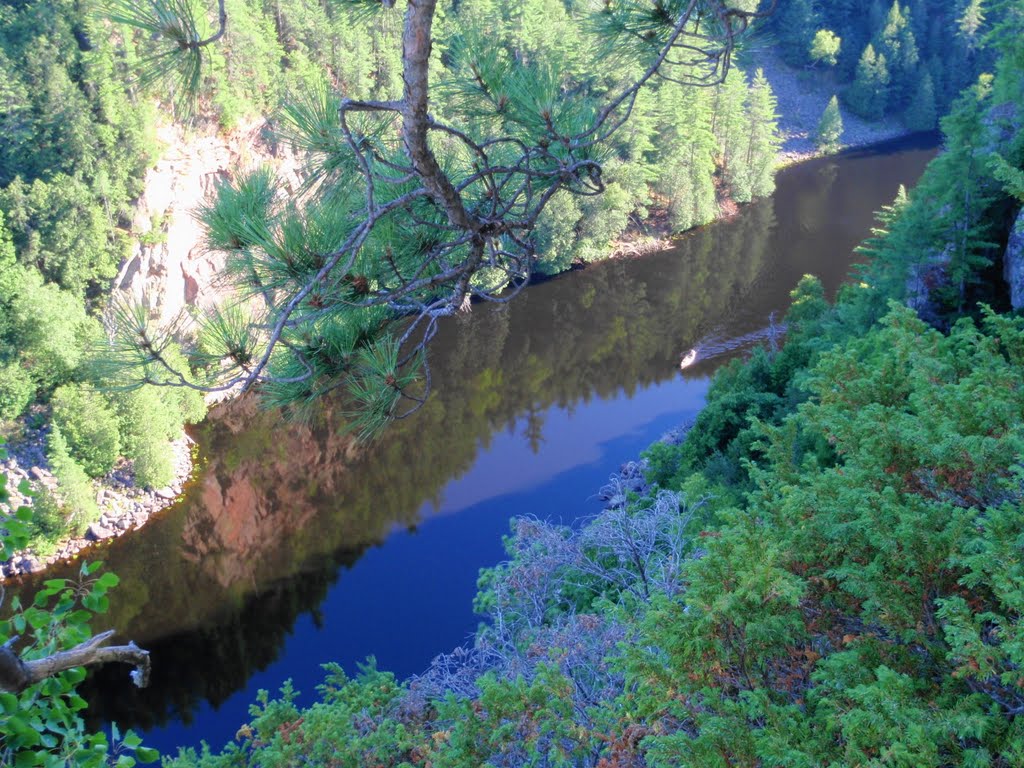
<point>802,97</point>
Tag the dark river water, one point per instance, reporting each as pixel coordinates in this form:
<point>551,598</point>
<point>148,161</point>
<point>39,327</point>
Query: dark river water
<point>293,547</point>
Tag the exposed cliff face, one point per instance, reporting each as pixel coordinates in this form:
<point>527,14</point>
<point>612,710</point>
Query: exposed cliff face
<point>171,268</point>
<point>1013,262</point>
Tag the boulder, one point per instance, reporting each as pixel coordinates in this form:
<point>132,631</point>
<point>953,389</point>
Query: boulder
<point>922,281</point>
<point>97,532</point>
<point>30,564</point>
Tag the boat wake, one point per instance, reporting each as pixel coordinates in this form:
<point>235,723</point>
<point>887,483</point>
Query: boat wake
<point>715,344</point>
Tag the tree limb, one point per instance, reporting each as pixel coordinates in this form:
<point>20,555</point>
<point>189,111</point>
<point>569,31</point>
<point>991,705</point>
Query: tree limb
<point>17,674</point>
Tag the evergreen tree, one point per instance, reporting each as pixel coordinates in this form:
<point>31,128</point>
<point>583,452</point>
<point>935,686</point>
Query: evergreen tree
<point>896,43</point>
<point>922,114</point>
<point>828,136</point>
<point>686,179</point>
<point>963,190</point>
<point>76,497</point>
<point>762,140</point>
<point>869,93</point>
<point>944,35</point>
<point>970,22</point>
<point>729,125</point>
<point>794,25</point>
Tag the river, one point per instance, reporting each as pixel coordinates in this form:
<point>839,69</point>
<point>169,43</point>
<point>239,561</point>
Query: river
<point>292,546</point>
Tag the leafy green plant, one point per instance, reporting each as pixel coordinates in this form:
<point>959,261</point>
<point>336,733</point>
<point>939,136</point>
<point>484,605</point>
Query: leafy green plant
<point>16,390</point>
<point>88,425</point>
<point>75,495</point>
<point>41,721</point>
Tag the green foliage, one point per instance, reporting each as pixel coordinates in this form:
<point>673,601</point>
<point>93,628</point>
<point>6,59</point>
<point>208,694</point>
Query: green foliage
<point>60,230</point>
<point>88,425</point>
<point>825,47</point>
<point>331,731</point>
<point>175,25</point>
<point>795,23</point>
<point>148,419</point>
<point>828,136</point>
<point>944,39</point>
<point>895,42</point>
<point>74,500</point>
<point>921,114</point>
<point>43,725</point>
<point>875,523</point>
<point>556,234</point>
<point>869,94</point>
<point>47,329</point>
<point>1011,178</point>
<point>17,390</point>
<point>762,143</point>
<point>73,151</point>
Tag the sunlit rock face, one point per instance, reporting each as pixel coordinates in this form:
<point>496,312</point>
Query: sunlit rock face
<point>170,267</point>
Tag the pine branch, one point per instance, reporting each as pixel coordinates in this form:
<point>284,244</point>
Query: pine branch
<point>415,238</point>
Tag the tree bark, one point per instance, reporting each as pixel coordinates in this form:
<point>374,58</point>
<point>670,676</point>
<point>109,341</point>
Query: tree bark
<point>416,46</point>
<point>17,674</point>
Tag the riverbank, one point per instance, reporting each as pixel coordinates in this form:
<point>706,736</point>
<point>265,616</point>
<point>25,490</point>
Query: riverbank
<point>801,97</point>
<point>122,505</point>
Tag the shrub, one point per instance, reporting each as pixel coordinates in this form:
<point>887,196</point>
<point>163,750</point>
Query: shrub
<point>89,426</point>
<point>154,463</point>
<point>49,522</point>
<point>75,497</point>
<point>16,390</point>
<point>50,329</point>
<point>148,423</point>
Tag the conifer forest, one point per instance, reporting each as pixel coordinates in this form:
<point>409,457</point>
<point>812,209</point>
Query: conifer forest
<point>713,308</point>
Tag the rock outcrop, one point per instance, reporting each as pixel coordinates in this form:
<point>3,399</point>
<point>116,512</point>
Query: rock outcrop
<point>923,280</point>
<point>170,267</point>
<point>1013,262</point>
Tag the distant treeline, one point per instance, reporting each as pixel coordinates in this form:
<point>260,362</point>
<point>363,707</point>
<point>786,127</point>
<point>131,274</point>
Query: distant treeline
<point>907,59</point>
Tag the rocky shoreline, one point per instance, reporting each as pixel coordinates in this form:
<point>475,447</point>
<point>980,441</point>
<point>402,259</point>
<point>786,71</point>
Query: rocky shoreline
<point>123,506</point>
<point>801,97</point>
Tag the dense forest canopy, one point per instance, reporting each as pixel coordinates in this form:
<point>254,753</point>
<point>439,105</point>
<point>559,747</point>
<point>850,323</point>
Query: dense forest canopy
<point>909,60</point>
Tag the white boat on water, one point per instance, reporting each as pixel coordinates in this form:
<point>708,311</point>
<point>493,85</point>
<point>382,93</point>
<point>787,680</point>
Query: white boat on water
<point>689,358</point>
